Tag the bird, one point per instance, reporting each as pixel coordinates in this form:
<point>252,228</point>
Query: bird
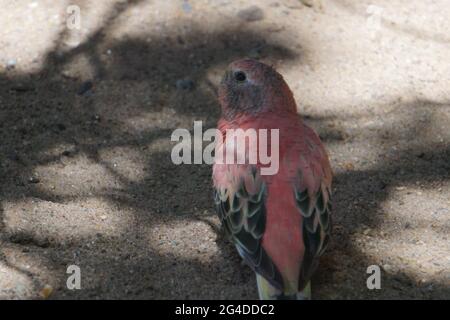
<point>280,223</point>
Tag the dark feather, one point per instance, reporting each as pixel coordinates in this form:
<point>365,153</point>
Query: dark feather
<point>243,216</point>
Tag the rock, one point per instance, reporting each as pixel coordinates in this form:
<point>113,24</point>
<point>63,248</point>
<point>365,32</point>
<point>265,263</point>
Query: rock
<point>34,180</point>
<point>187,8</point>
<point>61,126</point>
<point>11,64</point>
<point>46,291</point>
<point>21,88</point>
<point>185,84</point>
<point>85,88</point>
<point>13,156</point>
<point>425,156</point>
<point>308,3</point>
<point>387,267</point>
<point>349,166</point>
<point>256,53</point>
<point>251,14</point>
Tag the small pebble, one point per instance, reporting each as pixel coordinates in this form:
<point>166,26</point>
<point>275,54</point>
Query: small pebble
<point>251,14</point>
<point>34,180</point>
<point>46,291</point>
<point>387,267</point>
<point>11,64</point>
<point>85,88</point>
<point>61,126</point>
<point>255,53</point>
<point>308,3</point>
<point>185,84</point>
<point>187,8</point>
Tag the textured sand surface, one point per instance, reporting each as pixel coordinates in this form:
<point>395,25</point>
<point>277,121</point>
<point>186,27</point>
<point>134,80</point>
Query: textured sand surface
<point>85,123</point>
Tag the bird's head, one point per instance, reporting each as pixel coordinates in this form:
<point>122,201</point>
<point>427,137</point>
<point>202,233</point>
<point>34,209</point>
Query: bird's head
<point>251,87</point>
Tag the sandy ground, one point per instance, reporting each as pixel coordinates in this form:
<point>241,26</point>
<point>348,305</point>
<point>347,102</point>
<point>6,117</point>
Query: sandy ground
<point>86,117</point>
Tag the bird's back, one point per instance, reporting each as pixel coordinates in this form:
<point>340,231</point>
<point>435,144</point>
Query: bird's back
<point>290,200</point>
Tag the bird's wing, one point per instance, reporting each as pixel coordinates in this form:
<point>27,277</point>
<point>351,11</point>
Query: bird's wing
<point>313,198</point>
<point>241,208</point>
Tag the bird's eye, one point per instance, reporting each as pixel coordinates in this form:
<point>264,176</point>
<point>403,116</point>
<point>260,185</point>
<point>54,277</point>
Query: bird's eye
<point>240,76</point>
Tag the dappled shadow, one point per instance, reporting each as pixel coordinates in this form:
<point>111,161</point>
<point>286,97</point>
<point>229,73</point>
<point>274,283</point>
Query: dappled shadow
<point>357,197</point>
<point>51,119</point>
<point>360,193</point>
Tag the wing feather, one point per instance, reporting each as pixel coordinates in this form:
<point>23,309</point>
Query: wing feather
<point>243,215</point>
<point>314,204</point>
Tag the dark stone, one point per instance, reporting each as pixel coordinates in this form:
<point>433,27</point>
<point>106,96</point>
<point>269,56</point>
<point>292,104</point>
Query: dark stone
<point>34,180</point>
<point>85,88</point>
<point>251,14</point>
<point>61,126</point>
<point>185,84</point>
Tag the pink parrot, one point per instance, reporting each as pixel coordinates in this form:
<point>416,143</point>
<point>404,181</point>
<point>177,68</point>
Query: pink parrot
<point>280,223</point>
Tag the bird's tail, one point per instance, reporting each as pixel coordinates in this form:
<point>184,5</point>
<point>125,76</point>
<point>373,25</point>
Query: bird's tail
<point>268,292</point>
